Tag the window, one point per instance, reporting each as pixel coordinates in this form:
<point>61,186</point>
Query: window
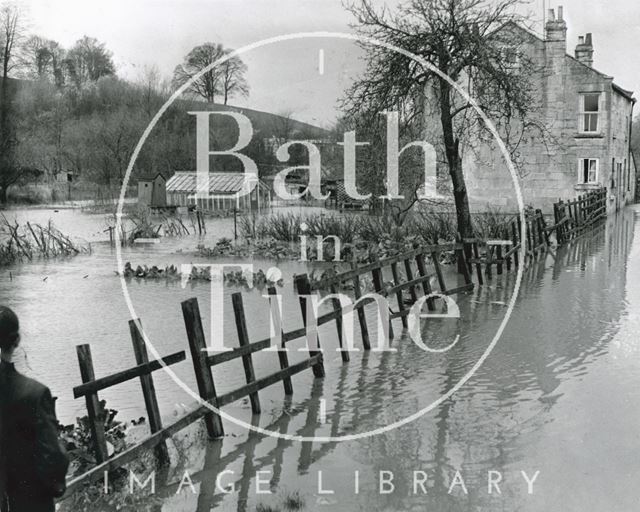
<point>510,57</point>
<point>588,170</point>
<point>628,168</point>
<point>590,112</point>
<point>620,175</point>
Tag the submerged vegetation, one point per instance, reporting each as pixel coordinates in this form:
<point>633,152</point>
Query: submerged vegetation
<point>78,442</point>
<point>19,242</point>
<point>422,226</point>
<point>260,279</point>
<point>142,223</point>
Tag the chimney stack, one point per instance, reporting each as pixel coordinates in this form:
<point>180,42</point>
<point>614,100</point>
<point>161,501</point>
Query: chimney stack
<point>584,50</point>
<point>555,44</point>
<point>556,28</point>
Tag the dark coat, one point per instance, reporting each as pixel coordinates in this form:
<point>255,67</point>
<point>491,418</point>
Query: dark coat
<point>33,463</point>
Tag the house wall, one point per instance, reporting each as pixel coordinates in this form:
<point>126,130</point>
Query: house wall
<point>550,170</point>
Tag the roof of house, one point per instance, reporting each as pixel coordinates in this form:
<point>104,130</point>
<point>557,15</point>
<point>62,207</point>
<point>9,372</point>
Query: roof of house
<point>219,182</point>
<point>623,92</point>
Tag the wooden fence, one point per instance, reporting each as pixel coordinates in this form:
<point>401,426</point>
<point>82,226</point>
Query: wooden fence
<point>408,273</point>
<point>573,217</point>
<point>405,287</point>
<point>404,278</point>
<point>506,251</point>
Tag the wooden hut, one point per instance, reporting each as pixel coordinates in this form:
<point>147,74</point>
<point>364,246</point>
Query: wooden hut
<point>152,191</point>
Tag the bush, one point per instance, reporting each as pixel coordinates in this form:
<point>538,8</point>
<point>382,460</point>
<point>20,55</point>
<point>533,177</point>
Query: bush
<point>79,443</point>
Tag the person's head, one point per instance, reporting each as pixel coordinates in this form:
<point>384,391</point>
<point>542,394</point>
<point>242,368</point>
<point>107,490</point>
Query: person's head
<point>9,330</point>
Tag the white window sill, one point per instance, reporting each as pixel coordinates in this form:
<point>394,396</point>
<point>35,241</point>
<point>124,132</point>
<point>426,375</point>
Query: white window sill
<point>589,135</point>
<point>587,186</point>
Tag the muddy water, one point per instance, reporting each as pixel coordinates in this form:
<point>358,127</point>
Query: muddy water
<point>558,394</point>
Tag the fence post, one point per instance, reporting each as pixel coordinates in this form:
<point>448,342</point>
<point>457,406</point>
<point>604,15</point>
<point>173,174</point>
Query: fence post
<point>542,224</point>
<point>476,256</point>
<point>530,238</point>
<point>514,238</point>
<point>94,412</point>
<point>489,253</point>
<point>304,290</point>
<point>399,295</point>
<point>148,388</point>
<point>243,339</point>
<point>362,318</point>
<point>378,286</point>
<point>204,379</point>
<point>462,263</point>
<point>426,286</point>
<point>338,307</point>
<point>283,357</point>
<point>409,271</point>
<point>556,221</point>
<point>436,264</point>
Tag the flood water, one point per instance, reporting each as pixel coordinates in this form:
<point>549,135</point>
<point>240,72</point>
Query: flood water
<point>559,393</point>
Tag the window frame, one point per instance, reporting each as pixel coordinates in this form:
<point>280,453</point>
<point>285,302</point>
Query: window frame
<point>581,180</point>
<point>591,113</point>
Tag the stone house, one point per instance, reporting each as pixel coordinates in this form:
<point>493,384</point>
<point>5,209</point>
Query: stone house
<point>588,118</point>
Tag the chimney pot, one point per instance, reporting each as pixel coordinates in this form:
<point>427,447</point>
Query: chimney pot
<point>584,50</point>
<point>560,13</point>
<point>556,28</point>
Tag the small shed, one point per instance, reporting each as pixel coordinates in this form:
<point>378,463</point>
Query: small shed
<point>152,191</point>
<point>182,187</point>
<point>65,177</point>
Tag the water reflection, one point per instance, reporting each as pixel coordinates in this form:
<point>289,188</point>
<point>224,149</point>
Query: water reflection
<point>517,413</point>
<point>556,395</point>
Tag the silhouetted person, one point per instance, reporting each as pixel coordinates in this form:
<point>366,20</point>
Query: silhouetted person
<point>33,463</point>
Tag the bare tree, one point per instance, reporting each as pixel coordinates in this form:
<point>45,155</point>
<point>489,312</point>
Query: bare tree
<point>11,35</point>
<point>234,82</point>
<point>43,59</point>
<point>154,91</point>
<point>283,126</point>
<point>226,79</point>
<point>466,41</point>
<point>88,60</point>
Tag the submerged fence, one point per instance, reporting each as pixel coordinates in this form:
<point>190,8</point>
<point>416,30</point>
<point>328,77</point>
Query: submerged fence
<point>403,279</point>
<point>418,268</point>
<point>573,217</point>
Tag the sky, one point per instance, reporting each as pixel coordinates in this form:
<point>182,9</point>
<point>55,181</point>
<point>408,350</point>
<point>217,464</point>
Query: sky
<point>286,76</point>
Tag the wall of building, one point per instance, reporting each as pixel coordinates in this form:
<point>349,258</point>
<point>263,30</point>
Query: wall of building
<point>549,165</point>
